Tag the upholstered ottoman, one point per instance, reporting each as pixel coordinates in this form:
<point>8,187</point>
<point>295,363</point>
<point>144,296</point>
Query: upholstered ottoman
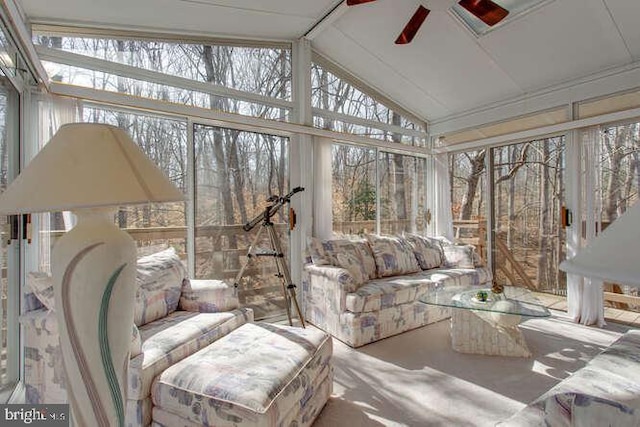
<point>257,375</point>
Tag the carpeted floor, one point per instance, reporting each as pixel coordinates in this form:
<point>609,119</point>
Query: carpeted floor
<point>415,379</point>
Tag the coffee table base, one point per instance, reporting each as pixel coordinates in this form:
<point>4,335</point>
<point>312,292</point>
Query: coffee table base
<point>479,332</point>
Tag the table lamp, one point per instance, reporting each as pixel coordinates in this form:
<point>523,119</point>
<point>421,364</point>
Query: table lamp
<point>92,169</point>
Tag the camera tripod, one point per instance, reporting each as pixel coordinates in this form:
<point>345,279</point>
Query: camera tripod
<point>288,288</point>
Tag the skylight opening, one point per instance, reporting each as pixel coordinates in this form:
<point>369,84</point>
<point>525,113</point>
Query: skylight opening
<point>515,7</point>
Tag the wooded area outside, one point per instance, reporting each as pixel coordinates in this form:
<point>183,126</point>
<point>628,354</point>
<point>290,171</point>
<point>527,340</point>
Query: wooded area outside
<point>259,70</point>
<point>332,94</point>
<point>529,190</point>
<point>237,170</point>
<point>390,188</point>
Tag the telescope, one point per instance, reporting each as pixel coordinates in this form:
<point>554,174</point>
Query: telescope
<point>277,203</point>
<point>288,288</point>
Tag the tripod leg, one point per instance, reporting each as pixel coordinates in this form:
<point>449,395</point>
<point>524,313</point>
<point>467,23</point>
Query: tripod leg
<point>287,283</point>
<point>236,282</point>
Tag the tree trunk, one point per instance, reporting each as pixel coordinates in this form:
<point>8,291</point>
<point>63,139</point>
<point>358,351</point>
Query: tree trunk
<point>223,175</point>
<point>616,155</point>
<point>511,201</point>
<point>477,168</point>
<point>543,222</point>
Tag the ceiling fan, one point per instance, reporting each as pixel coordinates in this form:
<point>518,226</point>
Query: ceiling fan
<point>485,10</point>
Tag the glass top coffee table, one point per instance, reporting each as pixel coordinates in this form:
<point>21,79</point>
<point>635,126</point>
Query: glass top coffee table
<point>486,323</point>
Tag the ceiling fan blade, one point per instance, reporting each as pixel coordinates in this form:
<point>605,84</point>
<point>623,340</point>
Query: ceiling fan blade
<point>357,2</point>
<point>413,25</point>
<point>485,10</point>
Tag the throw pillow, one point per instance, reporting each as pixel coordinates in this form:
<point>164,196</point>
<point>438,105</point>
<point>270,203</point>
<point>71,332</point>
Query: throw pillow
<point>316,251</point>
<point>358,247</point>
<point>428,252</point>
<point>393,255</point>
<point>477,259</point>
<point>41,284</point>
<point>352,263</point>
<point>207,296</point>
<point>159,281</point>
<point>459,256</point>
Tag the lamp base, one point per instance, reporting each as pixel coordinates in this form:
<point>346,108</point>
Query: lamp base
<point>93,268</point>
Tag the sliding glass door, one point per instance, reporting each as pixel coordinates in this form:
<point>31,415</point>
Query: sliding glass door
<point>529,192</point>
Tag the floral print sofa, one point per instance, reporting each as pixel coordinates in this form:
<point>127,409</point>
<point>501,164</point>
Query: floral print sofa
<point>174,318</point>
<point>363,289</point>
<point>606,392</point>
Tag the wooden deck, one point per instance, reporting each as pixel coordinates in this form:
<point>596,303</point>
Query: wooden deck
<point>611,314</point>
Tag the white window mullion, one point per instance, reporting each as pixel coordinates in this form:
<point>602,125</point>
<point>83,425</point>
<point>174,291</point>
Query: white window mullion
<point>123,70</point>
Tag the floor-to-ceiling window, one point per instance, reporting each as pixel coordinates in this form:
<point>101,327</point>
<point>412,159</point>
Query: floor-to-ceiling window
<point>237,173</point>
<point>9,243</point>
<point>617,184</point>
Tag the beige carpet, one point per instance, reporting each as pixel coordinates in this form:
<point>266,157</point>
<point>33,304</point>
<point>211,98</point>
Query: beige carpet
<point>415,379</point>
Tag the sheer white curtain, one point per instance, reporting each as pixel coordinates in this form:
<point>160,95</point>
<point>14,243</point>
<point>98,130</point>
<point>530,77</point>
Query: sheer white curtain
<point>322,213</point>
<point>585,299</point>
<point>442,223</point>
<point>46,114</point>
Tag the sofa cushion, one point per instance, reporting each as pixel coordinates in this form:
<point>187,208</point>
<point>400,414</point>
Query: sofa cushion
<point>207,296</point>
<point>458,276</point>
<point>427,250</point>
<point>136,342</point>
<point>459,256</point>
<point>159,281</point>
<point>350,262</point>
<point>252,376</point>
<point>326,252</point>
<point>609,384</point>
<point>386,292</point>
<point>393,255</point>
<point>174,337</point>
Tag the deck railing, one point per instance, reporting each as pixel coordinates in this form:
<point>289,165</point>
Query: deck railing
<point>217,258</point>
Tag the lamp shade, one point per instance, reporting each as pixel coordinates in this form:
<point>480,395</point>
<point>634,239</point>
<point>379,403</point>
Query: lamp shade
<point>87,165</point>
<point>613,255</point>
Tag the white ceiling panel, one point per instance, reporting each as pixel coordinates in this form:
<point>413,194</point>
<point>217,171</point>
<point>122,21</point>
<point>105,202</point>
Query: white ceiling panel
<point>562,40</point>
<point>370,69</point>
<point>443,60</point>
<point>627,17</point>
<point>274,19</point>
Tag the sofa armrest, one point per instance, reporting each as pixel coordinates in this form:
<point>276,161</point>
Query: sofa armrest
<point>330,284</point>
<point>568,409</point>
<point>207,296</point>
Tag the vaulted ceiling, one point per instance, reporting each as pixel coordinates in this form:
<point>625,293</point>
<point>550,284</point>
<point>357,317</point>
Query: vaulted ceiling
<point>446,71</point>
